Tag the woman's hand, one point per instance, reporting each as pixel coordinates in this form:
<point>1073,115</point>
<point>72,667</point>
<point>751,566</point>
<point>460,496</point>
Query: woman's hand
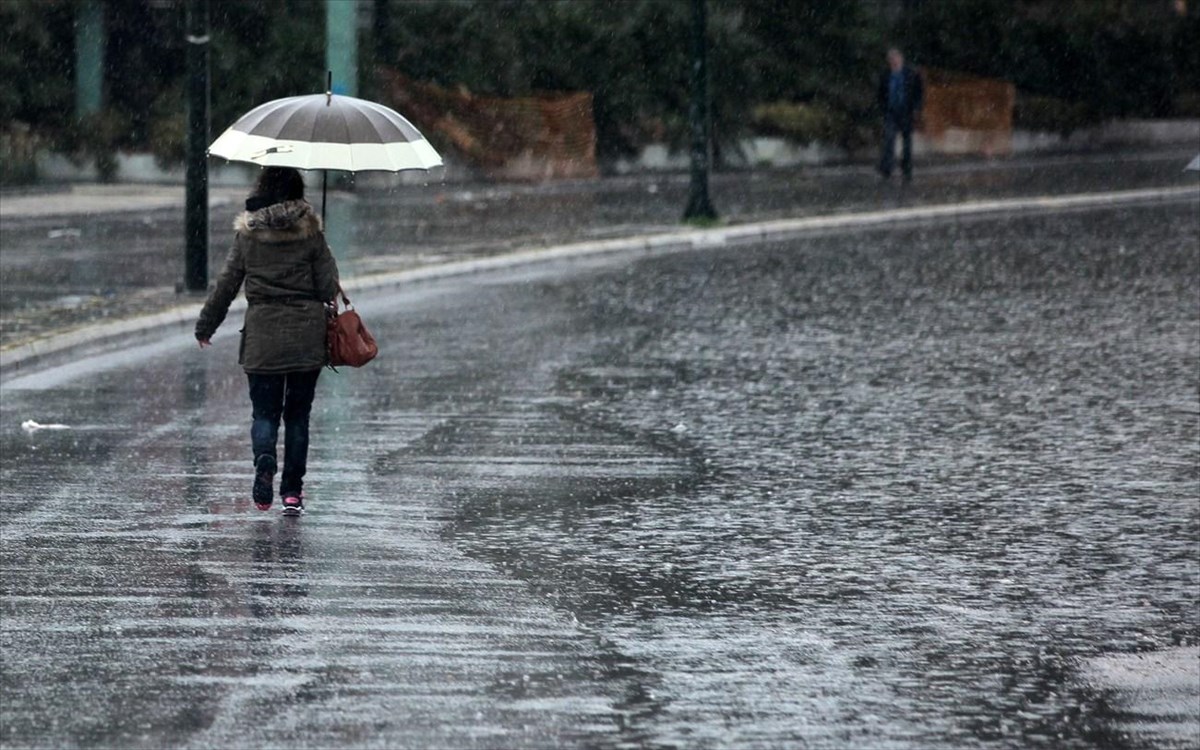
<point>204,343</point>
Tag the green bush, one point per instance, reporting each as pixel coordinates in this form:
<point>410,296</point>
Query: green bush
<point>804,123</point>
<point>97,137</point>
<point>168,140</point>
<point>36,54</point>
<point>168,128</point>
<point>635,57</point>
<point>18,154</point>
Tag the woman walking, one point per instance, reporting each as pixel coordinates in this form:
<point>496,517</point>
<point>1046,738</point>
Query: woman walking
<point>279,251</point>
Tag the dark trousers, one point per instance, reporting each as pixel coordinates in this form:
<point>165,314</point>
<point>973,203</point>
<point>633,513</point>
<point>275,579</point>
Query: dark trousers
<point>288,396</point>
<point>893,126</point>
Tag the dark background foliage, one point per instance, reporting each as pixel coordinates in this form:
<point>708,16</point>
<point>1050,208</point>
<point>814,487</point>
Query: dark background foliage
<point>1074,61</point>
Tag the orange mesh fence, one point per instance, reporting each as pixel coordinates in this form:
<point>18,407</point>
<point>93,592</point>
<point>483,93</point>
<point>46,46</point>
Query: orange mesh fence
<point>965,114</point>
<point>530,138</point>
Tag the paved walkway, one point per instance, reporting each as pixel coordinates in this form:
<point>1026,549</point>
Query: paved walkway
<point>92,200</point>
<point>94,254</point>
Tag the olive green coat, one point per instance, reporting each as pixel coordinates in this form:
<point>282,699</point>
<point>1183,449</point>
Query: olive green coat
<point>280,253</point>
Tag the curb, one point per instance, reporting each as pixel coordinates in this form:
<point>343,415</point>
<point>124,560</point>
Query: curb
<point>26,355</point>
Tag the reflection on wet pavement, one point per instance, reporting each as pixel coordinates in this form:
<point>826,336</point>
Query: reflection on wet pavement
<point>885,488</point>
<point>166,610</point>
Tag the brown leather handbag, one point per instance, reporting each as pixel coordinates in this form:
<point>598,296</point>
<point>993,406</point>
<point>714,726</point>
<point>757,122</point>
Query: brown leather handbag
<point>350,343</point>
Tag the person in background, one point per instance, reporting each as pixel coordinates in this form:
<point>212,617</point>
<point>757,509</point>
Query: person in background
<point>900,96</point>
<point>279,252</point>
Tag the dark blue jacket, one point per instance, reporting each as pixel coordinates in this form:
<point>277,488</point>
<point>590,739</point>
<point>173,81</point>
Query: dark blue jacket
<point>914,94</point>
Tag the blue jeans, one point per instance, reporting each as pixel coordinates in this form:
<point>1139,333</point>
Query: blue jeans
<point>288,396</point>
<point>893,126</point>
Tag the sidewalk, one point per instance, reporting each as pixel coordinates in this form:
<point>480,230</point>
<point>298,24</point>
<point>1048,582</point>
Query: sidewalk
<point>96,254</point>
<point>91,200</point>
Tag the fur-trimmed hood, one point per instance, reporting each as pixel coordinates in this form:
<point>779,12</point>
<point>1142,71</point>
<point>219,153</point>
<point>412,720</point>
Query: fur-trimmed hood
<point>280,222</point>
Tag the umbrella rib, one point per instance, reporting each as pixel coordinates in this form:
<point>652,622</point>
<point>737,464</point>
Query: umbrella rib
<point>283,109</point>
<point>381,132</point>
<point>408,132</point>
<point>312,139</point>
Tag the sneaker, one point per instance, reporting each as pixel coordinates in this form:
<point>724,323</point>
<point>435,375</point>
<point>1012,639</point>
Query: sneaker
<point>264,478</point>
<point>293,504</point>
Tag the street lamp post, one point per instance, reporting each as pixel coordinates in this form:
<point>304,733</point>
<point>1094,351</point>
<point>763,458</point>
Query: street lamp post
<point>699,207</point>
<point>195,274</point>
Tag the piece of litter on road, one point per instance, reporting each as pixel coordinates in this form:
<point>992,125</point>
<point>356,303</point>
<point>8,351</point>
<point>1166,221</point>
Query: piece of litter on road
<point>679,428</point>
<point>72,232</point>
<point>31,426</point>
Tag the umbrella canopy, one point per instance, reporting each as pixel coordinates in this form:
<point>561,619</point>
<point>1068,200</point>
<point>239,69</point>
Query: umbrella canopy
<point>326,131</point>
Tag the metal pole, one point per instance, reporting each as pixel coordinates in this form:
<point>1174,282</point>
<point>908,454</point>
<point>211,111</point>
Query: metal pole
<point>699,207</point>
<point>341,44</point>
<point>195,275</point>
<point>325,172</point>
<point>89,58</point>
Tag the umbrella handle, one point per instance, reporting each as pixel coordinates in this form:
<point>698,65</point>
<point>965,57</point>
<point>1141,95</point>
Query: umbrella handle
<point>325,172</point>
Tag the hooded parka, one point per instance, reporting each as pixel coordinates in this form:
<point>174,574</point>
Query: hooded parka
<point>279,251</point>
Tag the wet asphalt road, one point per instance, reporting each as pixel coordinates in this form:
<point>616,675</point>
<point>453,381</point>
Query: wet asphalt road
<point>887,488</point>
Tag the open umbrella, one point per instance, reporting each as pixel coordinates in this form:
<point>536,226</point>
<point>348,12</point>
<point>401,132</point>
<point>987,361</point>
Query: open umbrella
<point>326,131</point>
